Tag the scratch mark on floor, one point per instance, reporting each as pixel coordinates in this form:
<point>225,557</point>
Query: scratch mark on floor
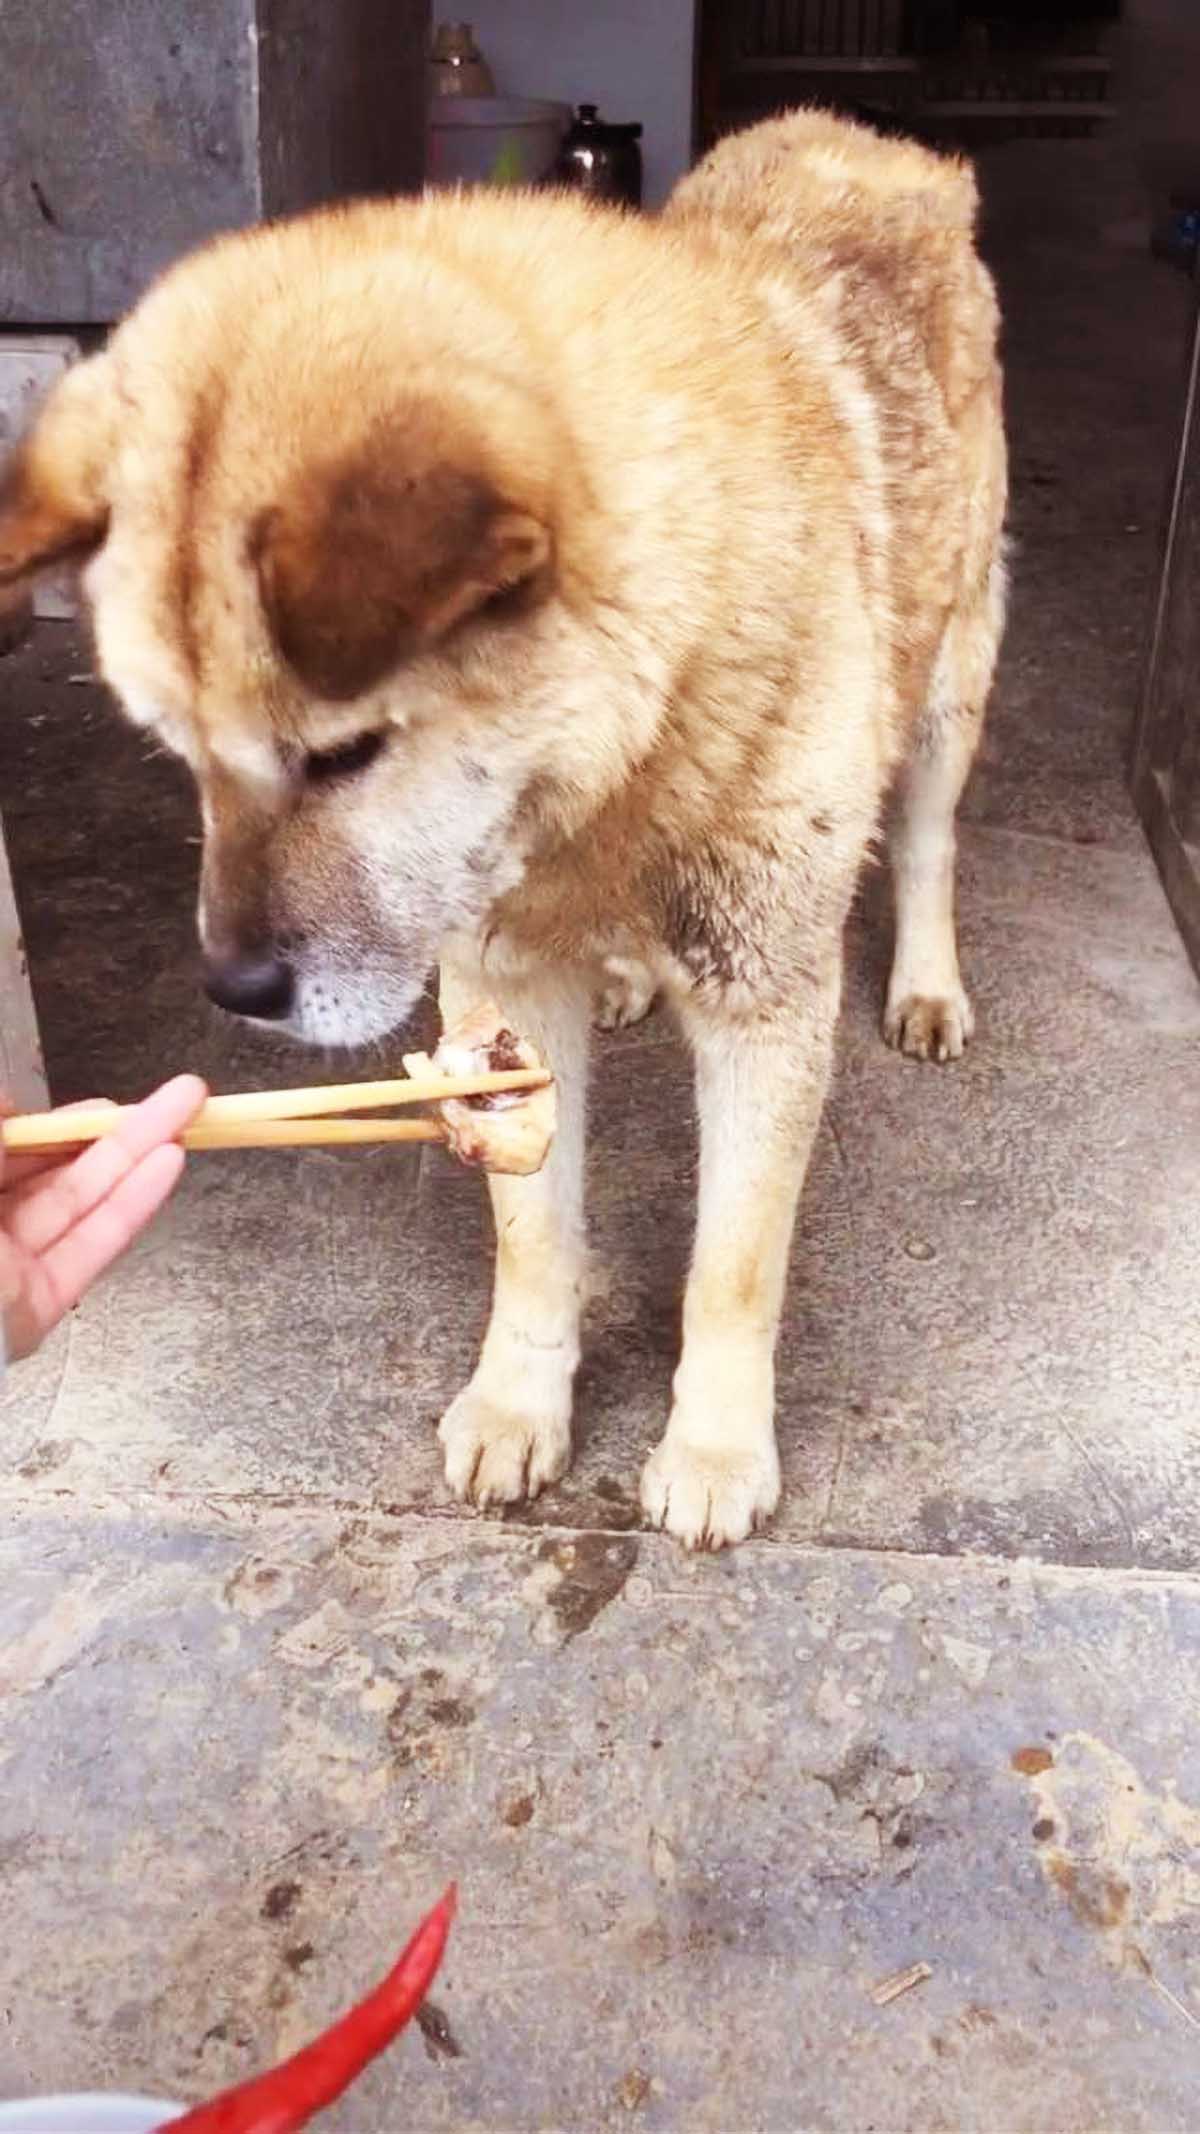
<point>47,1429</point>
<point>838,1464</point>
<point>1103,1484</point>
<point>1142,1963</point>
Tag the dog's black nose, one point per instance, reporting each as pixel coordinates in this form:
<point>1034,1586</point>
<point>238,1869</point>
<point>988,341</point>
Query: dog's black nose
<point>261,986</point>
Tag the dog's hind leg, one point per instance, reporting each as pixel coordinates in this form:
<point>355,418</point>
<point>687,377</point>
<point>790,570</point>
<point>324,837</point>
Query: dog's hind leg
<point>928,1014</point>
<point>509,1431</point>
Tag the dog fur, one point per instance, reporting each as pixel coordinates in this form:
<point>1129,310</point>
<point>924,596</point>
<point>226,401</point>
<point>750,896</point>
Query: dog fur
<point>555,595</point>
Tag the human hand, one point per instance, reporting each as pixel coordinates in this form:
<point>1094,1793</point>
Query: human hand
<point>63,1223</point>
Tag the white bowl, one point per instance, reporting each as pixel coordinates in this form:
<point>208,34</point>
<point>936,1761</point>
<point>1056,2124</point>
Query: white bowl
<point>86,2114</point>
<point>493,140</point>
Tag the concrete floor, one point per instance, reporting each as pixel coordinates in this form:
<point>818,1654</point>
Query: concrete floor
<point>264,1687</point>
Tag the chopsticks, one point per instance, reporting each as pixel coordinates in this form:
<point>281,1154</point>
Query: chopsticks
<point>281,1118</point>
<point>308,1133</point>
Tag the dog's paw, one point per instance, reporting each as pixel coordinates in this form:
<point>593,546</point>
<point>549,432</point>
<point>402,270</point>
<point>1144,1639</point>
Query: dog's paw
<point>927,1028</point>
<point>627,993</point>
<point>497,1452</point>
<point>707,1498</point>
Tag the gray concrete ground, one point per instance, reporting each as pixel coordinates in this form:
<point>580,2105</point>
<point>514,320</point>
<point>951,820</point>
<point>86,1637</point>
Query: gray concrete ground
<point>264,1687</point>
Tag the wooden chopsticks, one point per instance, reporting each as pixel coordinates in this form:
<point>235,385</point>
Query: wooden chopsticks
<point>281,1118</point>
<point>307,1133</point>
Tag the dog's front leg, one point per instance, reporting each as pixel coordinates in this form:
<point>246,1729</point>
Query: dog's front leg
<point>509,1431</point>
<point>760,1087</point>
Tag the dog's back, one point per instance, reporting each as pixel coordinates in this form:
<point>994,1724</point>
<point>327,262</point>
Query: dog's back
<point>889,223</point>
<point>865,252</point>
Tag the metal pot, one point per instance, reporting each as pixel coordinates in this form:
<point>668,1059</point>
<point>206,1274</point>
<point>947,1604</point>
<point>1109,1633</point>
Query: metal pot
<point>602,160</point>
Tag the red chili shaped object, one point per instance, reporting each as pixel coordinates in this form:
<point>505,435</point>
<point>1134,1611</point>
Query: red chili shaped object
<point>287,2097</point>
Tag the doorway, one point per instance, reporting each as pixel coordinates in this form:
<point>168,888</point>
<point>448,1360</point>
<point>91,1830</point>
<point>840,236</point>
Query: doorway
<point>961,72</point>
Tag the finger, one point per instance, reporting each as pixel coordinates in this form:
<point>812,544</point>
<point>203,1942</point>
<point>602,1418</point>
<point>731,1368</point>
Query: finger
<point>72,1191</point>
<point>18,1169</point>
<point>27,1297</point>
<point>62,1275</point>
<point>104,1234</point>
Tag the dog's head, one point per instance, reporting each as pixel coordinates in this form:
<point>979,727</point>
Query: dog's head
<point>329,562</point>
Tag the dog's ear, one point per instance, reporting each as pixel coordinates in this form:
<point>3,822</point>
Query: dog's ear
<point>370,560</point>
<point>53,505</point>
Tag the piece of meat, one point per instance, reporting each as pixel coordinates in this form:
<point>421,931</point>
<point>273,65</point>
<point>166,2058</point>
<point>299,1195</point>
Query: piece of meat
<point>508,1130</point>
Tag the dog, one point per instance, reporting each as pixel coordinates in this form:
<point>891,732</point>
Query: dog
<point>555,596</point>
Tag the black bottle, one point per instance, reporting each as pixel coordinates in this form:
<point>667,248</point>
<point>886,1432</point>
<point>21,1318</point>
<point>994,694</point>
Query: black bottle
<point>604,161</point>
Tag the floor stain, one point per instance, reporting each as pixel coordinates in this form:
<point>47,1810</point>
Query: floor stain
<point>450,1711</point>
<point>633,2089</point>
<point>594,1568</point>
<point>1125,1857</point>
<point>280,1900</point>
<point>257,1588</point>
<point>417,1720</point>
<point>1031,1760</point>
<point>51,1453</point>
<point>1097,1899</point>
<point>434,2026</point>
<point>846,1779</point>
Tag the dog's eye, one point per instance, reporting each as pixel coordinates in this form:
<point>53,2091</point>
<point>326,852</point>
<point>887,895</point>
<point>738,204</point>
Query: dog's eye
<point>323,764</point>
